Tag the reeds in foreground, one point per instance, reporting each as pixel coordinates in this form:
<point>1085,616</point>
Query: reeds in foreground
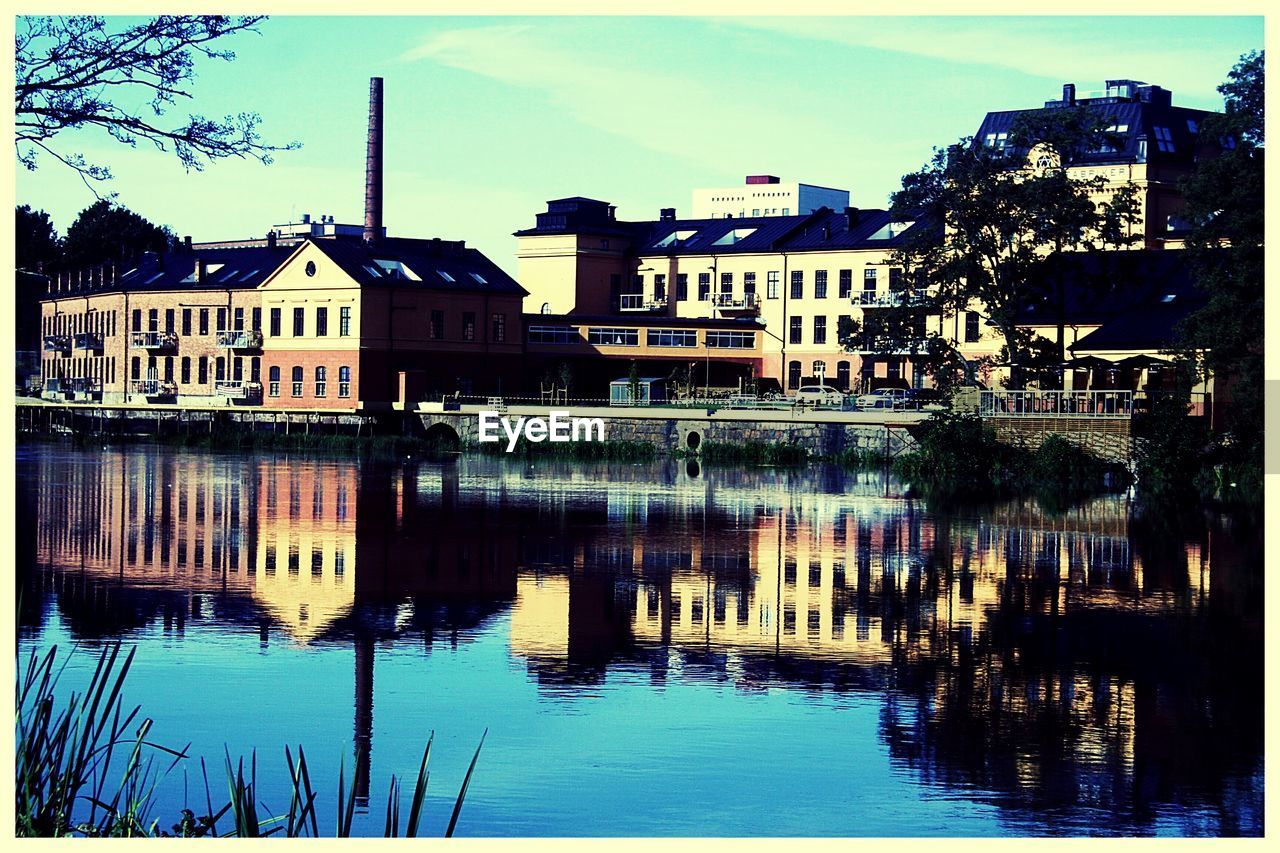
<point>70,780</point>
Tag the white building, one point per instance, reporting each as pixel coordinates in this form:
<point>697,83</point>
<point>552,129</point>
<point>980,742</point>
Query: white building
<point>766,195</point>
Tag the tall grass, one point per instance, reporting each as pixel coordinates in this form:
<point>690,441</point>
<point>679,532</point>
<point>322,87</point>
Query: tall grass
<point>70,780</point>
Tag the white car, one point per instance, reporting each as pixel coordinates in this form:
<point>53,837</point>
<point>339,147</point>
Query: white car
<point>885,398</point>
<point>819,395</point>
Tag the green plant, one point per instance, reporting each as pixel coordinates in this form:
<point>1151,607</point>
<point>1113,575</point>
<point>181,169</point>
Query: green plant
<point>66,785</point>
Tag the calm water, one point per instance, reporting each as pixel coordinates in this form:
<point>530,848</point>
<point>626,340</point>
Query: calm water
<point>658,649</point>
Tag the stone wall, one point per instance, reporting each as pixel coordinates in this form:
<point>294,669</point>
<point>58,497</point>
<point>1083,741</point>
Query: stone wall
<point>1106,438</point>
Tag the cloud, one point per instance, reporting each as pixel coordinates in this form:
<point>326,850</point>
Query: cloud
<point>1085,50</point>
<point>710,120</point>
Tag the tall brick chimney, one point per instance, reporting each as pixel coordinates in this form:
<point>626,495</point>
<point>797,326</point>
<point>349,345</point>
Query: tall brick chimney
<point>373,166</point>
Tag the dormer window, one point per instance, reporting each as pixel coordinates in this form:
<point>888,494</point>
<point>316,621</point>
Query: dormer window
<point>1164,139</point>
<point>674,238</point>
<point>734,235</point>
<point>891,230</point>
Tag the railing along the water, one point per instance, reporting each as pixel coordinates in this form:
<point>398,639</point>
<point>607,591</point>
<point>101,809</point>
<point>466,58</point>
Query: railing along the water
<point>1059,404</point>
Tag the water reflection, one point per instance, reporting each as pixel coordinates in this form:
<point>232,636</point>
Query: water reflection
<point>1078,670</point>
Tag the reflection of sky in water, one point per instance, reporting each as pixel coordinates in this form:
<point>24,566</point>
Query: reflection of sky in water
<point>735,652</point>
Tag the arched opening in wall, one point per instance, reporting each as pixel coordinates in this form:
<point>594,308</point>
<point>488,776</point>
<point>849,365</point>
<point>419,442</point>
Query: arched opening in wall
<point>693,441</point>
<point>692,469</point>
<point>443,438</point>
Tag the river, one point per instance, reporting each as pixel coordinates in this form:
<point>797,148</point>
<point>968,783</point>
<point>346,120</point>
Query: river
<point>662,648</point>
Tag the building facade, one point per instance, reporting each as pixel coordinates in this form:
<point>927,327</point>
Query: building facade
<point>765,195</point>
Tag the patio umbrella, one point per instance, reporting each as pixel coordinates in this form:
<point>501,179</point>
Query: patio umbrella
<point>1142,362</point>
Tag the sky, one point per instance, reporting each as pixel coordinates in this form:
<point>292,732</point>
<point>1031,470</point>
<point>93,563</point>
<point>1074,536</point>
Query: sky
<point>487,118</point>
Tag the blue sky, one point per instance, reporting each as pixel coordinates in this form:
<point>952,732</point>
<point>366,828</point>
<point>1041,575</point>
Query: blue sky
<point>487,118</point>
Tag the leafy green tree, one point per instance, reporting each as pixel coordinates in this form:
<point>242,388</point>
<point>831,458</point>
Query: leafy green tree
<point>36,244</point>
<point>106,232</point>
<point>1006,214</point>
<point>76,73</point>
<point>1225,204</point>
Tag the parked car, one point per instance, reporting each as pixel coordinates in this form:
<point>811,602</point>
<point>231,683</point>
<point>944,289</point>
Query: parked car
<point>885,398</point>
<point>925,399</point>
<point>819,395</point>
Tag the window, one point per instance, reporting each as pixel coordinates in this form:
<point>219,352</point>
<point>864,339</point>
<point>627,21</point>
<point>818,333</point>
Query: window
<point>344,321</point>
<point>237,322</point>
<point>659,288</point>
<point>546,308</point>
<point>321,377</point>
<point>297,381</point>
<point>786,211</point>
<point>255,369</point>
<point>820,284</point>
<point>796,326</point>
<point>820,370</point>
<point>846,284</point>
<point>204,321</point>
<point>186,321</point>
<point>749,285</point>
<point>820,330</point>
<point>344,381</point>
<point>726,283</point>
<point>682,287</point>
<point>298,323</point>
<point>613,337</point>
<point>731,340</point>
<point>202,370</point>
<point>971,330</point>
<point>755,211</point>
<point>734,235</point>
<point>322,322</point>
<point>436,328</point>
<point>797,284</point>
<point>153,320</point>
<point>257,319</point>
<point>1164,140</point>
<point>997,140</point>
<point>168,320</point>
<point>186,370</point>
<point>869,280</point>
<point>222,320</point>
<point>137,319</point>
<point>273,381</point>
<point>895,279</point>
<point>468,325</point>
<point>675,238</point>
<point>704,286</point>
<point>842,375</point>
<point>275,322</point>
<point>793,374</point>
<point>771,286</point>
<point>553,335</point>
<point>672,338</point>
<point>499,328</point>
<point>168,368</point>
<point>237,369</point>
<point>219,369</point>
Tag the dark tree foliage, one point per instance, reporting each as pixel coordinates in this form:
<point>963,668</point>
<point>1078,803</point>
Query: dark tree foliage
<point>1007,214</point>
<point>36,244</point>
<point>1225,203</point>
<point>105,232</point>
<point>76,73</point>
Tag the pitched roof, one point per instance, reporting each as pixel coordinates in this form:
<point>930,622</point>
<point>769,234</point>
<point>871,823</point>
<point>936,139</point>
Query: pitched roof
<point>225,269</point>
<point>429,264</point>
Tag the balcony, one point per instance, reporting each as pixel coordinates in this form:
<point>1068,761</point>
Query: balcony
<point>747,304</point>
<point>240,339</point>
<point>877,299</point>
<point>57,343</point>
<point>155,340</point>
<point>235,389</point>
<point>78,388</point>
<point>154,387</point>
<point>632,302</point>
<point>91,341</point>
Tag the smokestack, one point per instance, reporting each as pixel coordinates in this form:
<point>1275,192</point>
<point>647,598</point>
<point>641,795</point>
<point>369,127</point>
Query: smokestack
<point>271,239</point>
<point>373,166</point>
<point>1069,94</point>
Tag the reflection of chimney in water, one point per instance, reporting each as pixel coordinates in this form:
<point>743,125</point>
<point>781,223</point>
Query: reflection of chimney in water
<point>363,716</point>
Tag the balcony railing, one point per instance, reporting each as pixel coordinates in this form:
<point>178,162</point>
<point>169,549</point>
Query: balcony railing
<point>88,341</point>
<point>238,390</point>
<point>240,338</point>
<point>73,387</point>
<point>1056,404</point>
<point>876,298</point>
<point>728,302</point>
<point>155,340</point>
<point>154,388</point>
<point>57,343</point>
<point>638,302</point>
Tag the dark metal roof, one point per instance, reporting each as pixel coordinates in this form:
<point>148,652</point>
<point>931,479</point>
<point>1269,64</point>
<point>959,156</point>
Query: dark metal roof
<point>821,231</point>
<point>226,269</point>
<point>744,324</point>
<point>437,265</point>
<point>1139,118</point>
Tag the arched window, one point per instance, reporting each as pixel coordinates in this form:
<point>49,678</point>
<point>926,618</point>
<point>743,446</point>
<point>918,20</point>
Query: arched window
<point>321,375</point>
<point>297,382</point>
<point>793,374</point>
<point>273,375</point>
<point>820,370</point>
<point>344,381</point>
<point>546,308</point>
<point>842,375</point>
